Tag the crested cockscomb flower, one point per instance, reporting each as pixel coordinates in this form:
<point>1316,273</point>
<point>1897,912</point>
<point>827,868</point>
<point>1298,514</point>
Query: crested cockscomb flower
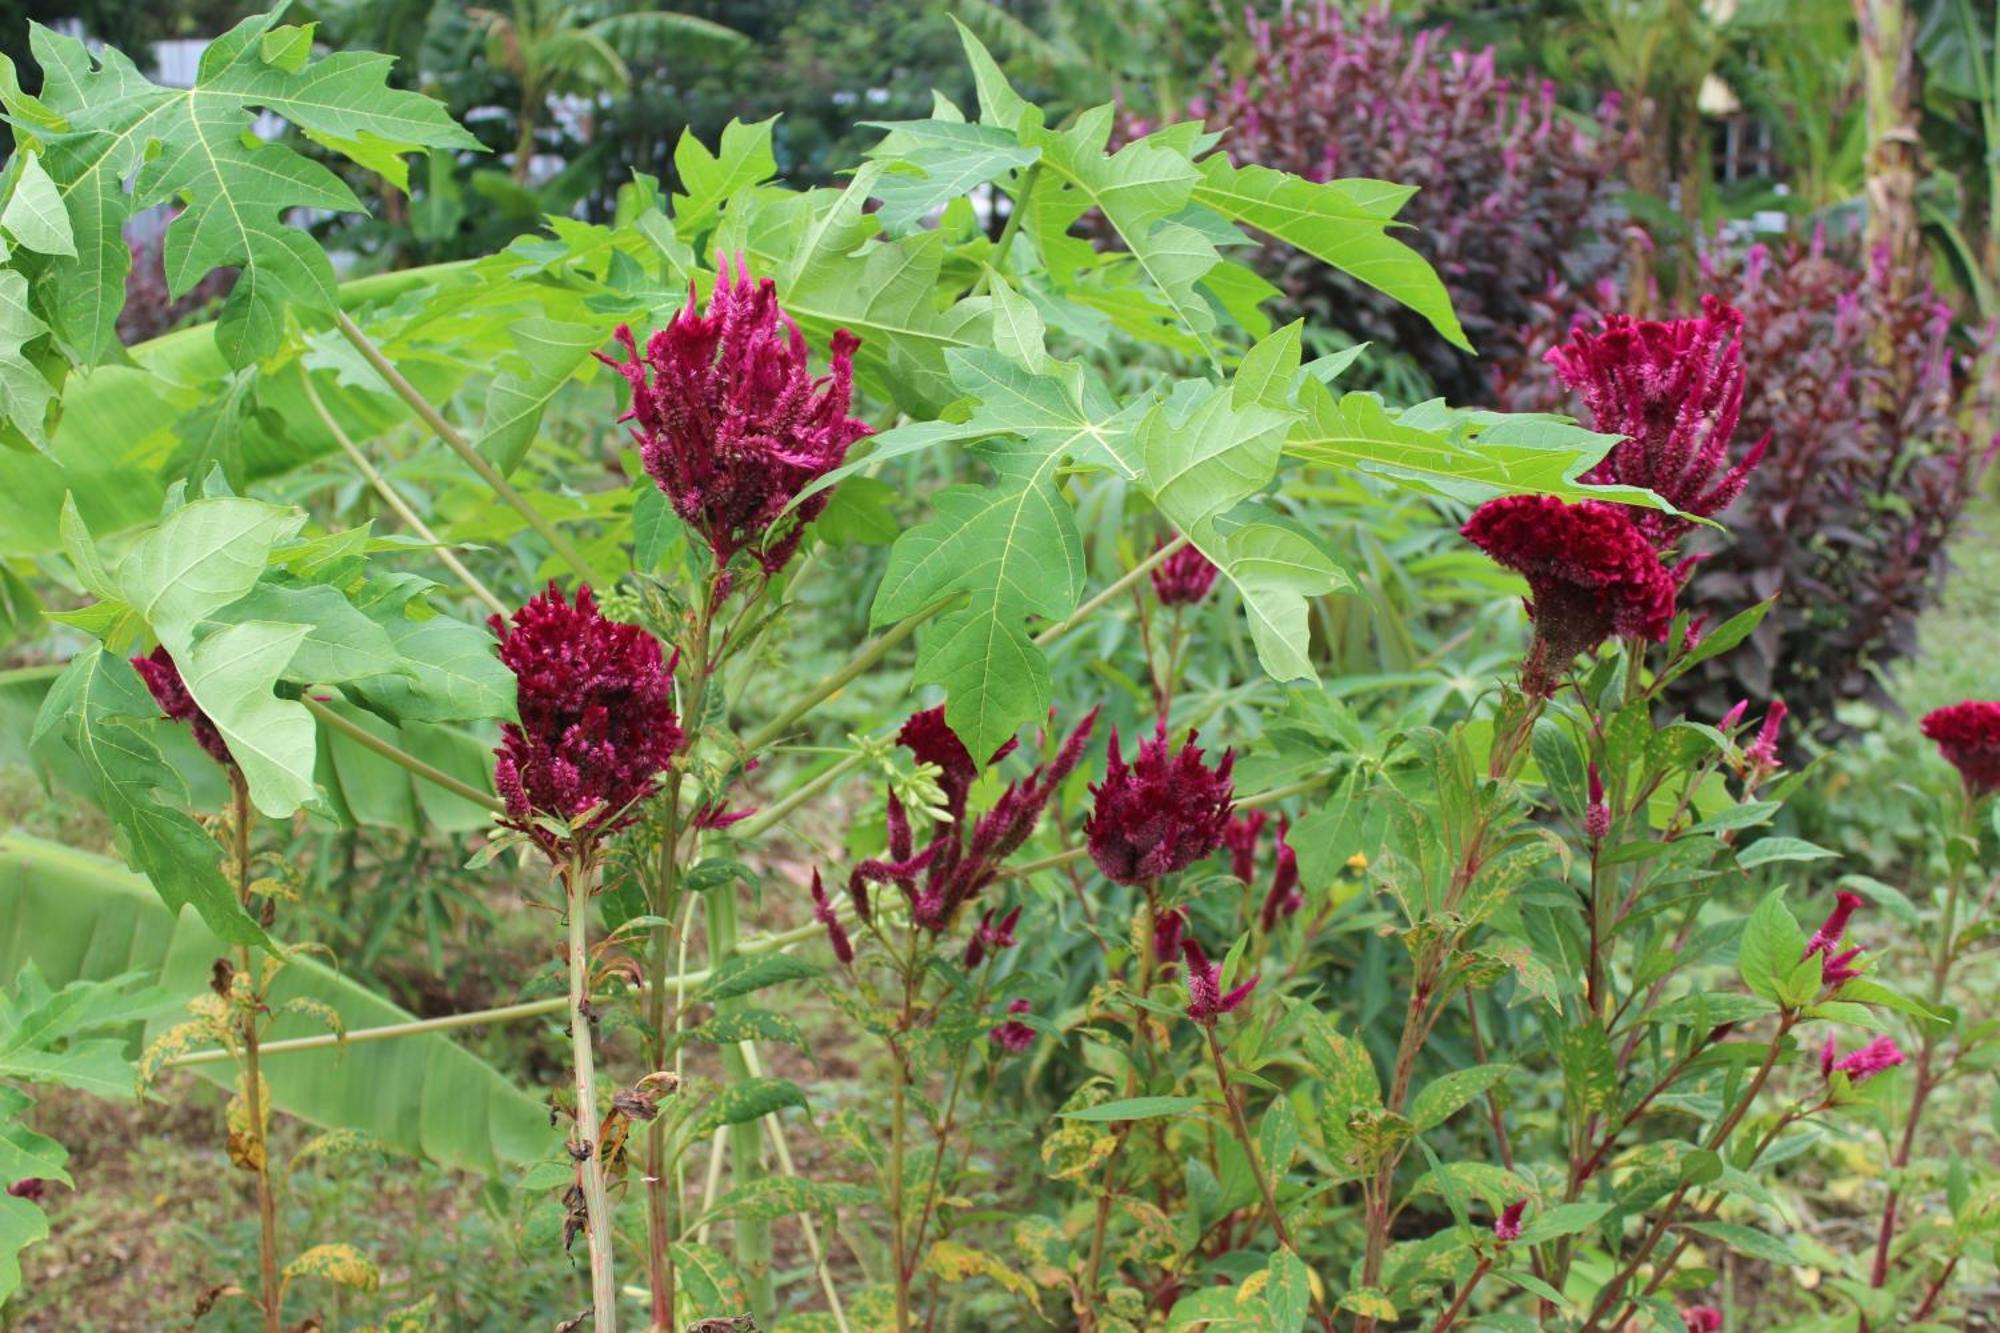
<point>1845,904</point>
<point>1507,1226</point>
<point>836,933</point>
<point>1240,836</point>
<point>1591,574</point>
<point>1968,734</point>
<point>1184,577</point>
<point>1169,927</point>
<point>1161,814</point>
<point>1014,1036</point>
<point>1859,1065</point>
<point>964,855</point>
<point>1673,389</point>
<point>730,422</point>
<point>991,936</point>
<point>1702,1319</point>
<point>1206,1001</point>
<point>170,692</point>
<point>1283,897</point>
<point>1596,815</point>
<point>597,720</point>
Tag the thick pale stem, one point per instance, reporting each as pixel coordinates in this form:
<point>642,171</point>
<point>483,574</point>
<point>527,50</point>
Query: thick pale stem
<point>753,1235</point>
<point>586,1146</point>
<point>369,740</point>
<point>270,1292</point>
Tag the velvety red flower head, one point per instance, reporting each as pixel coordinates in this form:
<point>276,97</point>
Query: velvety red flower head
<point>1206,1002</point>
<point>170,692</point>
<point>1014,1036</point>
<point>1702,1319</point>
<point>731,423</point>
<point>929,738</point>
<point>1968,734</point>
<point>1674,389</point>
<point>1591,574</point>
<point>1162,814</point>
<point>1184,577</point>
<point>1507,1226</point>
<point>991,936</point>
<point>597,720</point>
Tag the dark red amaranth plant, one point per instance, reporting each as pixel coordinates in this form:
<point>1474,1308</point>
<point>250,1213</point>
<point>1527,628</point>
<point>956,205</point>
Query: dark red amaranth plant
<point>1591,574</point>
<point>1283,899</point>
<point>1512,192</point>
<point>1507,1226</point>
<point>731,423</point>
<point>1854,373</point>
<point>1673,388</point>
<point>597,720</point>
<point>1968,735</point>
<point>170,692</point>
<point>1206,1000</point>
<point>1014,1036</point>
<point>961,862</point>
<point>990,936</point>
<point>1184,577</point>
<point>825,915</point>
<point>1240,836</point>
<point>1161,814</point>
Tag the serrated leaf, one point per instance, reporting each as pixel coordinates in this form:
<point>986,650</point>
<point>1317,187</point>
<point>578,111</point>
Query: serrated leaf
<point>34,215</point>
<point>743,159</point>
<point>933,162</point>
<point>736,1025</point>
<point>26,390</point>
<point>749,1099</point>
<point>745,973</point>
<point>544,355</point>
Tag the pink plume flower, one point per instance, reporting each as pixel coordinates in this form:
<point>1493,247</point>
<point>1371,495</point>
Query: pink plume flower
<point>1591,574</point>
<point>1168,930</point>
<point>1733,716</point>
<point>1702,1319</point>
<point>730,422</point>
<point>836,933</point>
<point>1596,815</point>
<point>1014,1036</point>
<point>1183,578</point>
<point>1845,904</point>
<point>1162,814</point>
<point>1674,390</point>
<point>1507,1226</point>
<point>1968,735</point>
<point>1206,1001</point>
<point>170,692</point>
<point>1860,1065</point>
<point>597,720</point>
<point>1283,899</point>
<point>991,936</point>
<point>1761,755</point>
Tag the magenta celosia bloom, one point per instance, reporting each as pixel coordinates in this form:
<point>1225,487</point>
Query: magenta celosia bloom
<point>1240,836</point>
<point>964,856</point>
<point>1283,898</point>
<point>1674,389</point>
<point>1169,928</point>
<point>1702,1319</point>
<point>597,719</point>
<point>1830,931</point>
<point>1596,815</point>
<point>32,1189</point>
<point>836,933</point>
<point>1590,573</point>
<point>1968,734</point>
<point>1507,1226</point>
<point>1206,1001</point>
<point>1184,577</point>
<point>990,936</point>
<point>1860,1065</point>
<point>1734,715</point>
<point>1014,1036</point>
<point>170,692</point>
<point>1761,755</point>
<point>931,740</point>
<point>731,423</point>
<point>1161,814</point>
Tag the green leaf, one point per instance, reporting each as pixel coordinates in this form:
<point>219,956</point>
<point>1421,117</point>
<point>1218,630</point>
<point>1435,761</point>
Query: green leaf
<point>748,1025</point>
<point>340,643</point>
<point>1341,223</point>
<point>194,145</point>
<point>1565,1219</point>
<point>1772,946</point>
<point>230,673</point>
<point>21,1225</point>
<point>1444,1095</point>
<point>709,1284</point>
<point>34,215</point>
<point>1769,851</point>
<point>454,672</point>
<point>1749,1241</point>
<point>545,354</point>
<point>745,973</point>
<point>749,1099</point>
<point>1135,1108</point>
<point>80,916</point>
<point>932,162</point>
<point>712,179</point>
<point>1288,1292</point>
<point>26,390</point>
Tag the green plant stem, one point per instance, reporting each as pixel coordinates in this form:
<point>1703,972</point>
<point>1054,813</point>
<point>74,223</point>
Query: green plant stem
<point>1451,1312</point>
<point>1109,591</point>
<point>270,1293</point>
<point>870,653</point>
<point>458,444</point>
<point>578,876</point>
<point>1142,933</point>
<point>898,1139</point>
<point>369,740</point>
<point>753,1235</point>
<point>662,1203</point>
<point>1012,226</point>
<point>397,505</point>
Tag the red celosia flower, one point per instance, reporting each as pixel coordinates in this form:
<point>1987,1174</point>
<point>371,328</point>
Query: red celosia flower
<point>1507,1226</point>
<point>927,736</point>
<point>1761,755</point>
<point>1674,389</point>
<point>1184,577</point>
<point>1968,734</point>
<point>1014,1036</point>
<point>1830,930</point>
<point>1591,572</point>
<point>991,936</point>
<point>32,1189</point>
<point>1168,930</point>
<point>1859,1065</point>
<point>836,934</point>
<point>1162,814</point>
<point>1240,835</point>
<point>1596,815</point>
<point>597,720</point>
<point>1734,715</point>
<point>170,692</point>
<point>961,861</point>
<point>1834,969</point>
<point>1206,1002</point>
<point>730,422</point>
<point>1283,898</point>
<point>1702,1319</point>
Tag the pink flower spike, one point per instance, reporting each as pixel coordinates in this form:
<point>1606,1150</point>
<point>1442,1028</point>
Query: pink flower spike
<point>1206,1002</point>
<point>1240,836</point>
<point>1167,932</point>
<point>1596,815</point>
<point>1014,1036</point>
<point>1878,1055</point>
<point>991,937</point>
<point>163,681</point>
<point>1284,898</point>
<point>1762,753</point>
<point>1830,931</point>
<point>1733,716</point>
<point>1837,970</point>
<point>1702,1319</point>
<point>836,934</point>
<point>1828,1052</point>
<point>1507,1227</point>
